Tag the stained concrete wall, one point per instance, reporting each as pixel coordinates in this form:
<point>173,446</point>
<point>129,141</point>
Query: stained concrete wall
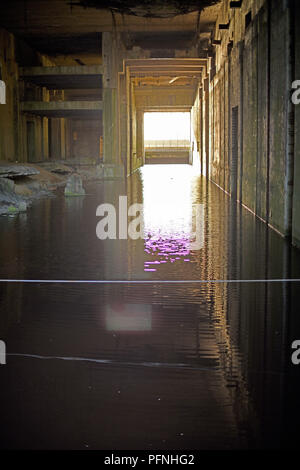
<point>9,113</point>
<point>251,79</point>
<point>296,195</point>
<point>85,139</point>
<point>23,137</point>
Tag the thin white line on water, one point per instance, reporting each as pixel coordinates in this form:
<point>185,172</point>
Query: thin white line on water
<point>140,281</point>
<point>168,365</point>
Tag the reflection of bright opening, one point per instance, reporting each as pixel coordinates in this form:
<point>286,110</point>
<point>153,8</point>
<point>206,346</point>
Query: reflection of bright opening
<point>172,129</point>
<point>128,317</point>
<point>168,222</point>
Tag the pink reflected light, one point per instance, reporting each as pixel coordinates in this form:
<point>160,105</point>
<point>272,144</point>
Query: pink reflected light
<point>166,250</point>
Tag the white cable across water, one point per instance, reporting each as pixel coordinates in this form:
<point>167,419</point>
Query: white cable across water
<point>142,281</point>
<point>168,365</point>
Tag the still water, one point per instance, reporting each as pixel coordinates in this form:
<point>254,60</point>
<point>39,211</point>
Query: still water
<point>148,365</point>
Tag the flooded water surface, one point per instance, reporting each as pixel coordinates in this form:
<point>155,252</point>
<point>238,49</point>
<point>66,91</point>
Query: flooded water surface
<point>153,364</point>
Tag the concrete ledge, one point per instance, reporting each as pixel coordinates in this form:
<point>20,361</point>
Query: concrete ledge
<point>65,77</point>
<point>63,108</point>
<point>62,70</point>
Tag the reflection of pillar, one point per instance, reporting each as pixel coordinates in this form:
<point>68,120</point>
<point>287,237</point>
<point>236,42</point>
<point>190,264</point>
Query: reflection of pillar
<point>110,99</point>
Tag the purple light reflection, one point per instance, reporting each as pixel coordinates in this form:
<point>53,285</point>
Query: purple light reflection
<point>166,250</point>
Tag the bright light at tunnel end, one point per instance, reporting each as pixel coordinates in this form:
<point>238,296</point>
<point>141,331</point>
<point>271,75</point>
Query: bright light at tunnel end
<point>167,126</point>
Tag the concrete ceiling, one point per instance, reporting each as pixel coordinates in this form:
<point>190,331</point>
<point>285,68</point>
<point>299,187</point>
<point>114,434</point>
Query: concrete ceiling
<point>146,8</point>
<point>59,28</point>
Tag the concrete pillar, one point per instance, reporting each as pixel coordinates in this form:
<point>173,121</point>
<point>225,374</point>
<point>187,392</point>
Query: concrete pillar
<point>110,97</point>
<point>45,149</point>
<point>63,138</point>
<point>140,136</point>
<point>55,140</point>
<point>69,123</point>
<point>206,125</point>
<point>128,120</point>
<point>122,119</point>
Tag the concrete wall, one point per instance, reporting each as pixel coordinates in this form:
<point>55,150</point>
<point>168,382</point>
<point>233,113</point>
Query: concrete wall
<point>296,195</point>
<point>23,137</point>
<point>251,80</point>
<point>9,113</point>
<point>85,139</point>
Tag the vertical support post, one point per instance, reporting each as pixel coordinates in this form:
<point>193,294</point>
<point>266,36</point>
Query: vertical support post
<point>140,136</point>
<point>122,110</point>
<point>206,93</point>
<point>128,120</point>
<point>241,141</point>
<point>200,129</point>
<point>110,97</point>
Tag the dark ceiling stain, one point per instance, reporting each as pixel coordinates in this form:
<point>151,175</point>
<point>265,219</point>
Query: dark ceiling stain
<point>148,8</point>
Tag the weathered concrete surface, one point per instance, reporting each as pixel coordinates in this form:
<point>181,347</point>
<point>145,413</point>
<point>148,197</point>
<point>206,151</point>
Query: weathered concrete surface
<point>90,20</point>
<point>57,109</point>
<point>278,102</point>
<point>64,77</point>
<point>250,117</point>
<point>13,171</point>
<point>9,116</point>
<point>112,65</point>
<point>259,89</point>
<point>83,139</point>
<point>296,195</point>
<point>15,143</point>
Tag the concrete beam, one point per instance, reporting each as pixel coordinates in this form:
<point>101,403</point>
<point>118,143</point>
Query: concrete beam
<point>180,65</point>
<point>90,109</point>
<point>167,73</point>
<point>64,77</point>
<point>187,62</point>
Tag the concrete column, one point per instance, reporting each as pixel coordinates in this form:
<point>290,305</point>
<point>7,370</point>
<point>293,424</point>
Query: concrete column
<point>206,121</point>
<point>290,120</point>
<point>55,139</point>
<point>122,119</point>
<point>110,53</point>
<point>45,139</point>
<point>128,120</point>
<point>63,138</point>
<point>140,136</point>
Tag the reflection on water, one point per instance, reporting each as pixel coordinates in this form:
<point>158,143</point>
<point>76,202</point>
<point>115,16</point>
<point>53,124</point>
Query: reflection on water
<point>168,221</point>
<point>128,317</point>
<point>148,366</point>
